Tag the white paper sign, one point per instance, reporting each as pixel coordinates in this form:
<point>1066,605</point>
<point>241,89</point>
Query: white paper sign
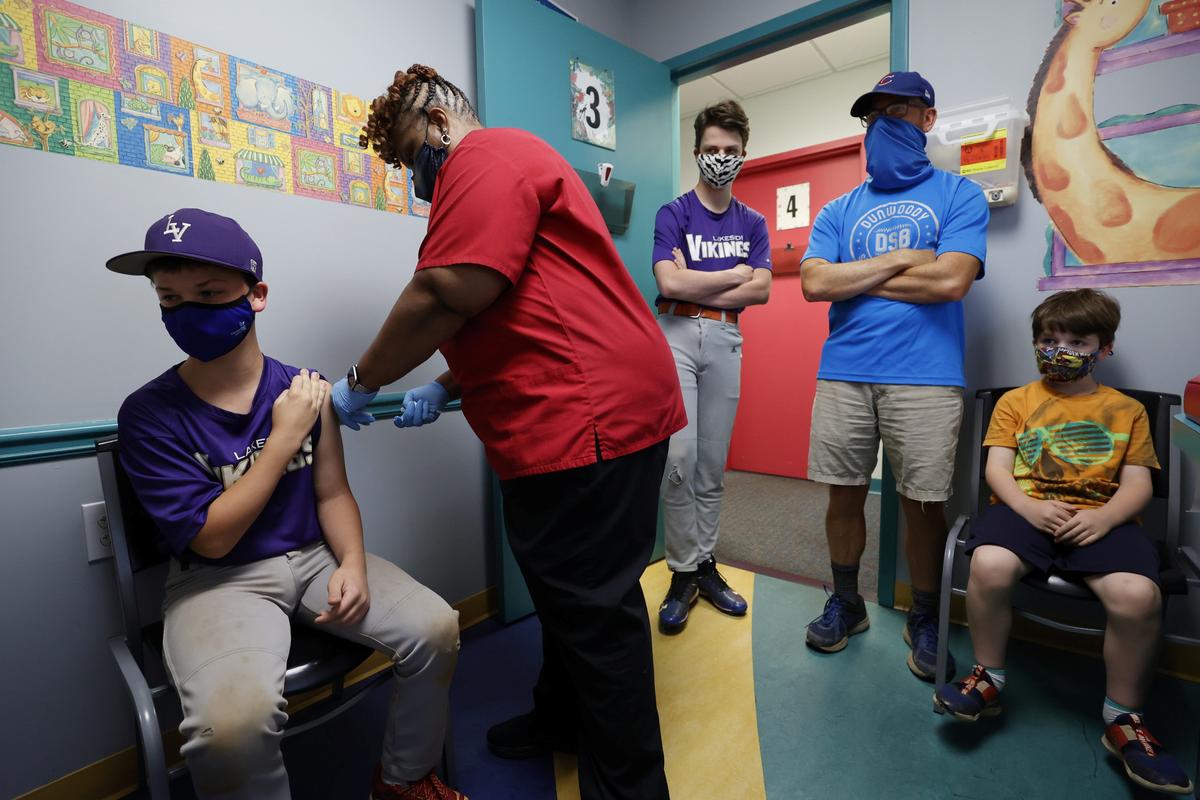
<point>791,207</point>
<point>593,105</point>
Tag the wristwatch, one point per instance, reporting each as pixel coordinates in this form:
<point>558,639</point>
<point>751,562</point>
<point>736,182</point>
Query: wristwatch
<point>355,386</point>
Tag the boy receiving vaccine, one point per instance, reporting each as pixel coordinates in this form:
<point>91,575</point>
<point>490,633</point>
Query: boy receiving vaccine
<point>237,459</point>
<point>1069,465</point>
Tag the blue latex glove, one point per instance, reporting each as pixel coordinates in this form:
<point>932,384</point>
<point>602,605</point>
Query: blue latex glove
<point>422,405</point>
<point>350,404</point>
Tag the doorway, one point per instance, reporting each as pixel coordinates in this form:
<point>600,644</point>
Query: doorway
<point>804,150</point>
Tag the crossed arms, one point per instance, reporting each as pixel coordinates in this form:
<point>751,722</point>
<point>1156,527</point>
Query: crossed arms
<point>912,276</point>
<point>737,287</point>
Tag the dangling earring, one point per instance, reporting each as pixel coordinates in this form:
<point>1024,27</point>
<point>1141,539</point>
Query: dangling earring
<point>445,138</point>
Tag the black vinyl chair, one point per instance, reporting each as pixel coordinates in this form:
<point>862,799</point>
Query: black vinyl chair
<point>316,660</point>
<point>1160,519</point>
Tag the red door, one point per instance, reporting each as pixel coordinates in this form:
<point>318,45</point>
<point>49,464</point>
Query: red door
<point>783,339</point>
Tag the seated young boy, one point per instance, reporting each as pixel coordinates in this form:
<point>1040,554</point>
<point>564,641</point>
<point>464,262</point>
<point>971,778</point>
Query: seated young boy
<point>1069,466</point>
<point>238,460</point>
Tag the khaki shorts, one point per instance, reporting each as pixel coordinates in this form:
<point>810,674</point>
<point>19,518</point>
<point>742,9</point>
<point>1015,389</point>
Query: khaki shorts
<point>918,425</point>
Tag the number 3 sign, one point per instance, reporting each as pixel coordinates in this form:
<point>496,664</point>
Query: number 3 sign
<point>593,108</point>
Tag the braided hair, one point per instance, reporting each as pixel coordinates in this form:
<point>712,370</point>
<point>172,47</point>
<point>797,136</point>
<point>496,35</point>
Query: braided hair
<point>417,89</point>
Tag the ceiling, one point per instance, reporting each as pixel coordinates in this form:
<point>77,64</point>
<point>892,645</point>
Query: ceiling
<point>841,50</point>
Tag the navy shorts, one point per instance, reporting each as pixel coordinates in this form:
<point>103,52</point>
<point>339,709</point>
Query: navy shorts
<point>1126,548</point>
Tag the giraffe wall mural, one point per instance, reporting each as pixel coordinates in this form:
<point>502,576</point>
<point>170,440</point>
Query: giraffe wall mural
<point>1122,194</point>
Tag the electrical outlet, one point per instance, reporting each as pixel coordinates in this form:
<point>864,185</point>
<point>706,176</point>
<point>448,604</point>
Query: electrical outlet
<point>95,531</point>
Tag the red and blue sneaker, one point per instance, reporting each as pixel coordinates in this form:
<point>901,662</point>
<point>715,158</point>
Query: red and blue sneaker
<point>1146,762</point>
<point>973,697</point>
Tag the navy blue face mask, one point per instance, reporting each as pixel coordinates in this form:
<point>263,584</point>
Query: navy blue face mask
<point>896,154</point>
<point>208,330</point>
<point>425,168</point>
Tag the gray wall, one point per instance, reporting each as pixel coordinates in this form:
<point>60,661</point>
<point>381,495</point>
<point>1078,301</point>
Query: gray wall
<point>1157,346</point>
<point>81,338</point>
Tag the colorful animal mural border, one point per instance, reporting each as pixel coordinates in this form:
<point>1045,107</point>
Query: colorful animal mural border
<point>77,82</point>
<point>1123,195</point>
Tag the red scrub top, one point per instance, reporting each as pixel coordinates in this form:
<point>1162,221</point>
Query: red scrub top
<point>568,364</point>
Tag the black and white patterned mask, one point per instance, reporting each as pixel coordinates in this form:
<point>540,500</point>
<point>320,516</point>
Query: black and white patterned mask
<point>718,170</point>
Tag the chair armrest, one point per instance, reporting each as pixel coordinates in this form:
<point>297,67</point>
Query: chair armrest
<point>1189,560</point>
<point>952,541</point>
<point>149,733</point>
<point>957,531</point>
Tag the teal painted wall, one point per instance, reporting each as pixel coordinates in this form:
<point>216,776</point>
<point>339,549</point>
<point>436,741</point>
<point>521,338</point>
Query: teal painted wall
<point>522,81</point>
<point>522,50</point>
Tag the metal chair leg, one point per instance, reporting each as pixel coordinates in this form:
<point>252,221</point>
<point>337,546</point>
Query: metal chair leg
<point>943,651</point>
<point>149,734</point>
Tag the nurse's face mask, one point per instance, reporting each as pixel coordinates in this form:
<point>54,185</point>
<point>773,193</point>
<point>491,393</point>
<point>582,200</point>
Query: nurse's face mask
<point>427,162</point>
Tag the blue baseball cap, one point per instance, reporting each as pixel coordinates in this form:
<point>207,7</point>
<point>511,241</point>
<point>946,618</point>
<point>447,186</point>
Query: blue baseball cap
<point>196,235</point>
<point>902,84</point>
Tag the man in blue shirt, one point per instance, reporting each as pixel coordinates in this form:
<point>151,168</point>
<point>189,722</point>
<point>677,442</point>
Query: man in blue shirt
<point>894,256</point>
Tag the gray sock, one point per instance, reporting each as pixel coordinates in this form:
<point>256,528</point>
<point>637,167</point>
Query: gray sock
<point>845,582</point>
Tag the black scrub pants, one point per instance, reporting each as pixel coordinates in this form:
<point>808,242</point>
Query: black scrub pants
<point>582,538</point>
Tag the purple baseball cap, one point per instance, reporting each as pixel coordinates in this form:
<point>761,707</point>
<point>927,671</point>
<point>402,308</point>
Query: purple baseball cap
<point>197,235</point>
<point>902,84</point>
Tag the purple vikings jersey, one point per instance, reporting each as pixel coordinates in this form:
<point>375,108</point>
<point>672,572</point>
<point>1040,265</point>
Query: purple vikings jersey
<point>181,453</point>
<point>711,242</point>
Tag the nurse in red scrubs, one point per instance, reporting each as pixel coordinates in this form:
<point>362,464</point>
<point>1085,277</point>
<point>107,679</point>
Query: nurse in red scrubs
<point>569,383</point>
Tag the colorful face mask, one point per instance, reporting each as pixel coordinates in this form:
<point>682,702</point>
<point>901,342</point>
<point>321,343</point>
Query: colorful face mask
<point>718,170</point>
<point>1062,364</point>
<point>208,330</point>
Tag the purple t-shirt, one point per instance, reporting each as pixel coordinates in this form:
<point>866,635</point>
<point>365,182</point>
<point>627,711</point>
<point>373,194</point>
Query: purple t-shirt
<point>180,453</point>
<point>711,242</point>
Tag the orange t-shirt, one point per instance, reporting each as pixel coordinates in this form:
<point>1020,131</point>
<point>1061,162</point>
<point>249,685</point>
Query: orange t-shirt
<point>1071,448</point>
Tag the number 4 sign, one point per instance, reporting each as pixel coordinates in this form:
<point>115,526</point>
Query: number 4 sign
<point>791,207</point>
<point>593,108</point>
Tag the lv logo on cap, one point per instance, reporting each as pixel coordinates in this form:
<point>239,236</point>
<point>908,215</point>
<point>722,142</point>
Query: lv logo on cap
<point>174,229</point>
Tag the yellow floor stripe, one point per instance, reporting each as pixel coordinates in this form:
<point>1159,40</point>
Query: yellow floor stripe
<point>704,678</point>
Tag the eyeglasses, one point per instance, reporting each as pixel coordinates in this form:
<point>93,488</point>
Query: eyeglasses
<point>895,110</point>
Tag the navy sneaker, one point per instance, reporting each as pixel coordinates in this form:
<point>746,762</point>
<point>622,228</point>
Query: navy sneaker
<point>840,620</point>
<point>673,613</point>
<point>1146,762</point>
<point>973,697</point>
<point>713,587</point>
<point>921,635</point>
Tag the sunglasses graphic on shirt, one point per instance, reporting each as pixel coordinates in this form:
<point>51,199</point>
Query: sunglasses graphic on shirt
<point>1080,443</point>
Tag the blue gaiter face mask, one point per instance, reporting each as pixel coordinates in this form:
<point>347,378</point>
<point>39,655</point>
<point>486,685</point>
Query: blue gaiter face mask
<point>896,154</point>
<point>205,330</point>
